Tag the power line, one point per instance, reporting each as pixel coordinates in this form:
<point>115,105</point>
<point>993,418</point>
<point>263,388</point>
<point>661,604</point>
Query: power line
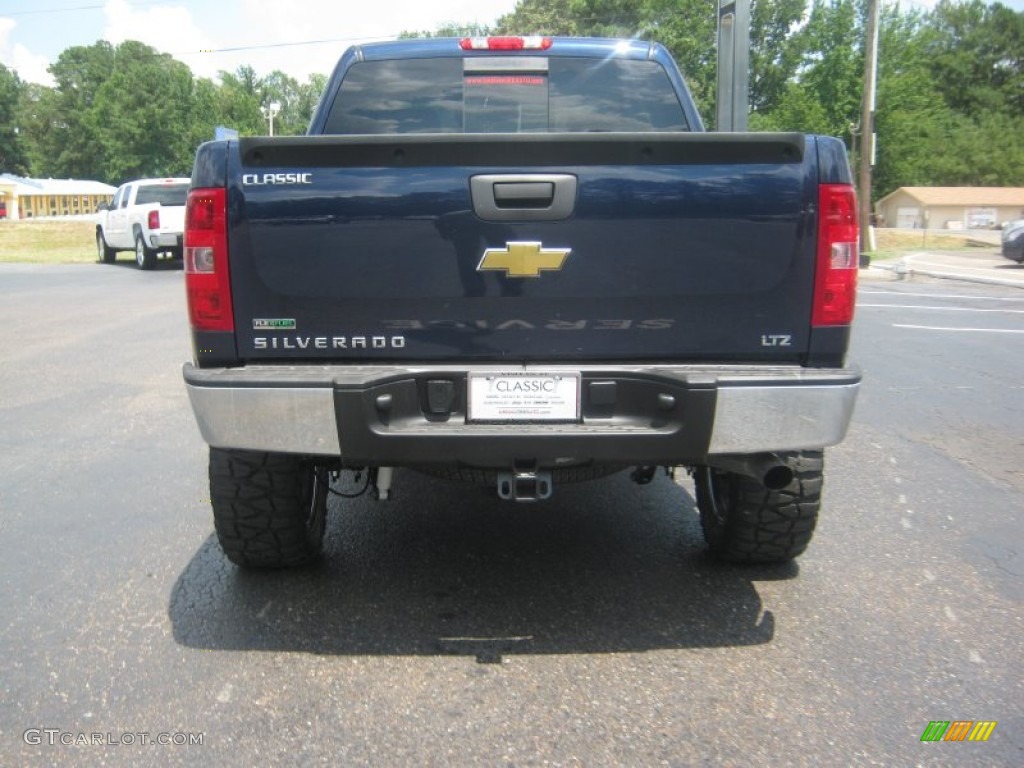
<point>264,46</point>
<point>69,9</point>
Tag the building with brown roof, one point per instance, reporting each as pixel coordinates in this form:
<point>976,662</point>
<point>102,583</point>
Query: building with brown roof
<point>950,207</point>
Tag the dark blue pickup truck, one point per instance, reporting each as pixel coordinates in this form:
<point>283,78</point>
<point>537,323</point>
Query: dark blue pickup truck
<point>519,261</point>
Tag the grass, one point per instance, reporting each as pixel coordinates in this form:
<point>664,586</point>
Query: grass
<point>44,241</point>
<point>893,243</point>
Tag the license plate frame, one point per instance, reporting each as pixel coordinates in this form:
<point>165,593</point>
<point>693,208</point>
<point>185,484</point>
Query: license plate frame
<point>503,397</point>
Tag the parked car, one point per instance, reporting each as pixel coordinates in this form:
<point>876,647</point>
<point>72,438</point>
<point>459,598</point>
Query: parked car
<point>1013,241</point>
<point>519,262</point>
<point>146,216</point>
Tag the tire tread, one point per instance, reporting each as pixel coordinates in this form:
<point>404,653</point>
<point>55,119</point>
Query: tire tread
<point>763,526</point>
<point>260,507</point>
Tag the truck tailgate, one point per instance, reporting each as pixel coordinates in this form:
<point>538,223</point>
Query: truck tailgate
<point>520,248</point>
<point>172,219</point>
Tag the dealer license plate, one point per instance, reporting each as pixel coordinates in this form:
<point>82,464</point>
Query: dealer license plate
<point>522,396</point>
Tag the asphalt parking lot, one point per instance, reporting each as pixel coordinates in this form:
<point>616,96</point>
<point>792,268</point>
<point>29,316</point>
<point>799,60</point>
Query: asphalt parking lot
<point>446,627</point>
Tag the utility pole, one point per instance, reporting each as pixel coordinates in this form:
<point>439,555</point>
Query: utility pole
<point>867,126</point>
<point>733,65</point>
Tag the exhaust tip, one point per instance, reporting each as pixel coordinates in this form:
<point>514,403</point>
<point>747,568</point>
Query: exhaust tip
<point>769,469</point>
<point>778,477</point>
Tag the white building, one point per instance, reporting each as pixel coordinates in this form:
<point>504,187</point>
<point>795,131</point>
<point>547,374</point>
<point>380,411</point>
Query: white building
<point>951,207</point>
<point>22,198</point>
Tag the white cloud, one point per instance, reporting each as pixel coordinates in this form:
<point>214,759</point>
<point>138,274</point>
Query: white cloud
<point>30,67</point>
<point>6,27</point>
<point>272,22</point>
<point>161,26</point>
<point>214,35</point>
<point>167,28</point>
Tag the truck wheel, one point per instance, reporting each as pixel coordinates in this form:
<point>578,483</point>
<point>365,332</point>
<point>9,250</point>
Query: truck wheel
<point>269,509</point>
<point>145,257</point>
<point>744,522</point>
<point>105,253</point>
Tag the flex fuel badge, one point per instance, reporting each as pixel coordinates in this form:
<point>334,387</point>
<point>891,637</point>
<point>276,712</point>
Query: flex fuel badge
<point>274,324</point>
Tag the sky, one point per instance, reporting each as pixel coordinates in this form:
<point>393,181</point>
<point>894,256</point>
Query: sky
<point>298,37</point>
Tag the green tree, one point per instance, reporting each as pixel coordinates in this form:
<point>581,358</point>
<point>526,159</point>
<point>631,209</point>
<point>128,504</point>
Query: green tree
<point>775,50</point>
<point>239,101</point>
<point>141,113</point>
<point>69,145</point>
<point>947,112</point>
<point>542,17</point>
<point>284,90</point>
<point>687,28</point>
<point>977,57</point>
<point>950,90</point>
<point>913,123</point>
<point>450,29</point>
<point>824,94</point>
<point>12,153</point>
<point>39,121</point>
<point>309,97</point>
<point>204,117</point>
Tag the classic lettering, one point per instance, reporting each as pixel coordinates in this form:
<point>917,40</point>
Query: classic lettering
<point>264,179</point>
<point>525,385</point>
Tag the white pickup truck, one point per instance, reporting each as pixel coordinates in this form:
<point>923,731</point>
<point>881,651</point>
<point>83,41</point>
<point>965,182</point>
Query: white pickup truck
<point>146,216</point>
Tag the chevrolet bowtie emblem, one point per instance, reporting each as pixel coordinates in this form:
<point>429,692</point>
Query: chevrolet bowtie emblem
<point>523,259</point>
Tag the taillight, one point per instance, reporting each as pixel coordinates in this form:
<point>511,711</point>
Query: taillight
<point>207,282</point>
<point>153,220</point>
<point>835,282</point>
<point>533,43</point>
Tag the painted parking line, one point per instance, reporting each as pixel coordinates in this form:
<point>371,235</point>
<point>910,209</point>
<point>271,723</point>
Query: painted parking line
<point>941,309</point>
<point>941,296</point>
<point>957,330</point>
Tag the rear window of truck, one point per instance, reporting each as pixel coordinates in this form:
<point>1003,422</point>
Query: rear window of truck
<point>505,94</point>
<point>165,194</point>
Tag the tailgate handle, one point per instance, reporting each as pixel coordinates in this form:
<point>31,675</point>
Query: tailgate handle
<point>523,196</point>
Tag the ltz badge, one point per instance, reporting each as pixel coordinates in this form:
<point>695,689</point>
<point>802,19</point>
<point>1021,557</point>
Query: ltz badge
<point>523,259</point>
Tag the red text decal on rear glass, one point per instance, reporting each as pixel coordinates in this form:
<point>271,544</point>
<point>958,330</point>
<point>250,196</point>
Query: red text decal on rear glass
<point>505,80</point>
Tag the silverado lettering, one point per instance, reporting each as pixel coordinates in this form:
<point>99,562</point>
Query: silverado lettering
<point>325,342</point>
<point>701,322</point>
